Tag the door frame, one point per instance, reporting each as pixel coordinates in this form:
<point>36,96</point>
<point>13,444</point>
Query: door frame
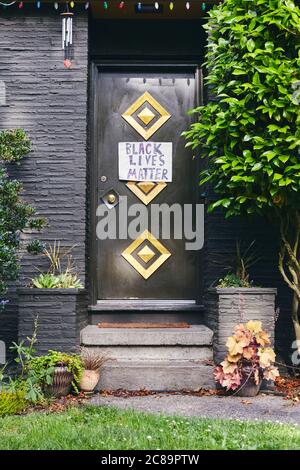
<point>93,272</point>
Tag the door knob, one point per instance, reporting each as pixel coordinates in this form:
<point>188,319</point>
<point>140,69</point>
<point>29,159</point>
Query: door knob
<point>111,198</point>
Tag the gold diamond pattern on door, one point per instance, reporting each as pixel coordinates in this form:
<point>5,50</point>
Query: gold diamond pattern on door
<point>146,115</point>
<point>146,191</point>
<point>146,254</point>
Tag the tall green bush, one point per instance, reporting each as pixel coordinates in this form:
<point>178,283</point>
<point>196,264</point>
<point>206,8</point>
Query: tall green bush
<point>15,215</point>
<point>250,133</point>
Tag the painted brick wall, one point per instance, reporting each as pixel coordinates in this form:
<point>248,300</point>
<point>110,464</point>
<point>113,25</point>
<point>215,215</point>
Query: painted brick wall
<point>50,103</point>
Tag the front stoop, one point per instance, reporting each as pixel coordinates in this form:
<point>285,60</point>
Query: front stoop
<point>164,359</point>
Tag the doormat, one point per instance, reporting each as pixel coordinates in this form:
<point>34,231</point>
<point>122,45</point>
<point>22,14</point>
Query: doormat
<point>144,325</point>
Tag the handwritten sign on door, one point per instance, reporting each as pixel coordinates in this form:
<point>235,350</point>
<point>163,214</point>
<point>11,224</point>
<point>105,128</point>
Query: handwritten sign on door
<point>145,161</point>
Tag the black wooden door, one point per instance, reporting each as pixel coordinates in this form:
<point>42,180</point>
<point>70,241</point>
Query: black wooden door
<point>125,271</point>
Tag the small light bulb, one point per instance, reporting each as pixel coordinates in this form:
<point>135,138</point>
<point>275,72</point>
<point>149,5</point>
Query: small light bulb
<point>156,5</point>
<point>187,5</point>
<point>38,4</point>
<point>121,5</point>
<point>21,4</point>
<point>203,6</point>
<point>56,6</point>
<point>72,4</point>
<point>139,6</point>
<point>171,6</point>
<point>105,5</point>
<point>87,5</point>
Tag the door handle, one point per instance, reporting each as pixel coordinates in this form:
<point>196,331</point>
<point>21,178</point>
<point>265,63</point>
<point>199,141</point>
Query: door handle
<point>110,198</point>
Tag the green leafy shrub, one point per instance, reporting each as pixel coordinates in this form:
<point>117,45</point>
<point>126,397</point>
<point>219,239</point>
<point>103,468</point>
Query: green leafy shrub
<point>36,372</point>
<point>43,367</point>
<point>12,403</point>
<point>15,215</point>
<point>250,134</point>
<point>232,280</point>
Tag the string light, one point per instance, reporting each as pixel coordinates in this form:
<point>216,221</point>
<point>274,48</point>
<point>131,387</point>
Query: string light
<point>121,5</point>
<point>4,5</point>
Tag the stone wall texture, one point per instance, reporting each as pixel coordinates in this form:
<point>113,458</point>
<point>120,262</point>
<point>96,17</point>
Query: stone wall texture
<point>61,314</point>
<point>50,103</point>
<point>226,308</point>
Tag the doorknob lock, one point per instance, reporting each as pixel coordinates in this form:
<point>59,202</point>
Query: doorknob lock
<point>111,198</point>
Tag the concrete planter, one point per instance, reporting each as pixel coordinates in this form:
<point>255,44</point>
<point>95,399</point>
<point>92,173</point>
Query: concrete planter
<point>227,307</point>
<point>62,313</point>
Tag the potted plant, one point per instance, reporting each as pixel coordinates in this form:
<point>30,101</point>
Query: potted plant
<point>92,363</point>
<point>57,298</point>
<point>236,299</point>
<point>250,359</point>
<point>57,372</point>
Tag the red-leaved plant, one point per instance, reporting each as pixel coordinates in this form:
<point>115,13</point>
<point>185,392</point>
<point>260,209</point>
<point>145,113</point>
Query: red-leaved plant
<point>248,357</point>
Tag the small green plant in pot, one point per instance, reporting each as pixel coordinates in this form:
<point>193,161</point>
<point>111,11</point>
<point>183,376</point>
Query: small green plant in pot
<point>92,362</point>
<point>249,360</point>
<point>58,372</point>
<point>238,271</point>
<point>57,276</point>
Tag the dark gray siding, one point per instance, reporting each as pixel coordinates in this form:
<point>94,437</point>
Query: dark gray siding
<point>50,103</point>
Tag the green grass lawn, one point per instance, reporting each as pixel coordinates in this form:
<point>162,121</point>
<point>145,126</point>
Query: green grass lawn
<point>109,428</point>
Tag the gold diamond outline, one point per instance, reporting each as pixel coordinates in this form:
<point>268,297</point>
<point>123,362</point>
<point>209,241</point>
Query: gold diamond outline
<point>146,272</point>
<point>164,115</point>
<point>145,198</point>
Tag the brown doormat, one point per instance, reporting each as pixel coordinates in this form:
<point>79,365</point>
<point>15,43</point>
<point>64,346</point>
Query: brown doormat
<point>144,325</point>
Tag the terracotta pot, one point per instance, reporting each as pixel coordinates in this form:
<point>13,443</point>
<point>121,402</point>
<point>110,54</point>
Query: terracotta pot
<point>89,380</point>
<point>62,383</point>
<point>248,387</point>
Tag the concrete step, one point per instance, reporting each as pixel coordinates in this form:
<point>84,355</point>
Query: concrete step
<point>196,335</point>
<point>154,359</point>
<point>156,353</point>
<point>156,375</point>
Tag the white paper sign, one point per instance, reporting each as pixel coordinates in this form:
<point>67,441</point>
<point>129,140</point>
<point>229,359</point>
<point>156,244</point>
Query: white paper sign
<point>145,161</point>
